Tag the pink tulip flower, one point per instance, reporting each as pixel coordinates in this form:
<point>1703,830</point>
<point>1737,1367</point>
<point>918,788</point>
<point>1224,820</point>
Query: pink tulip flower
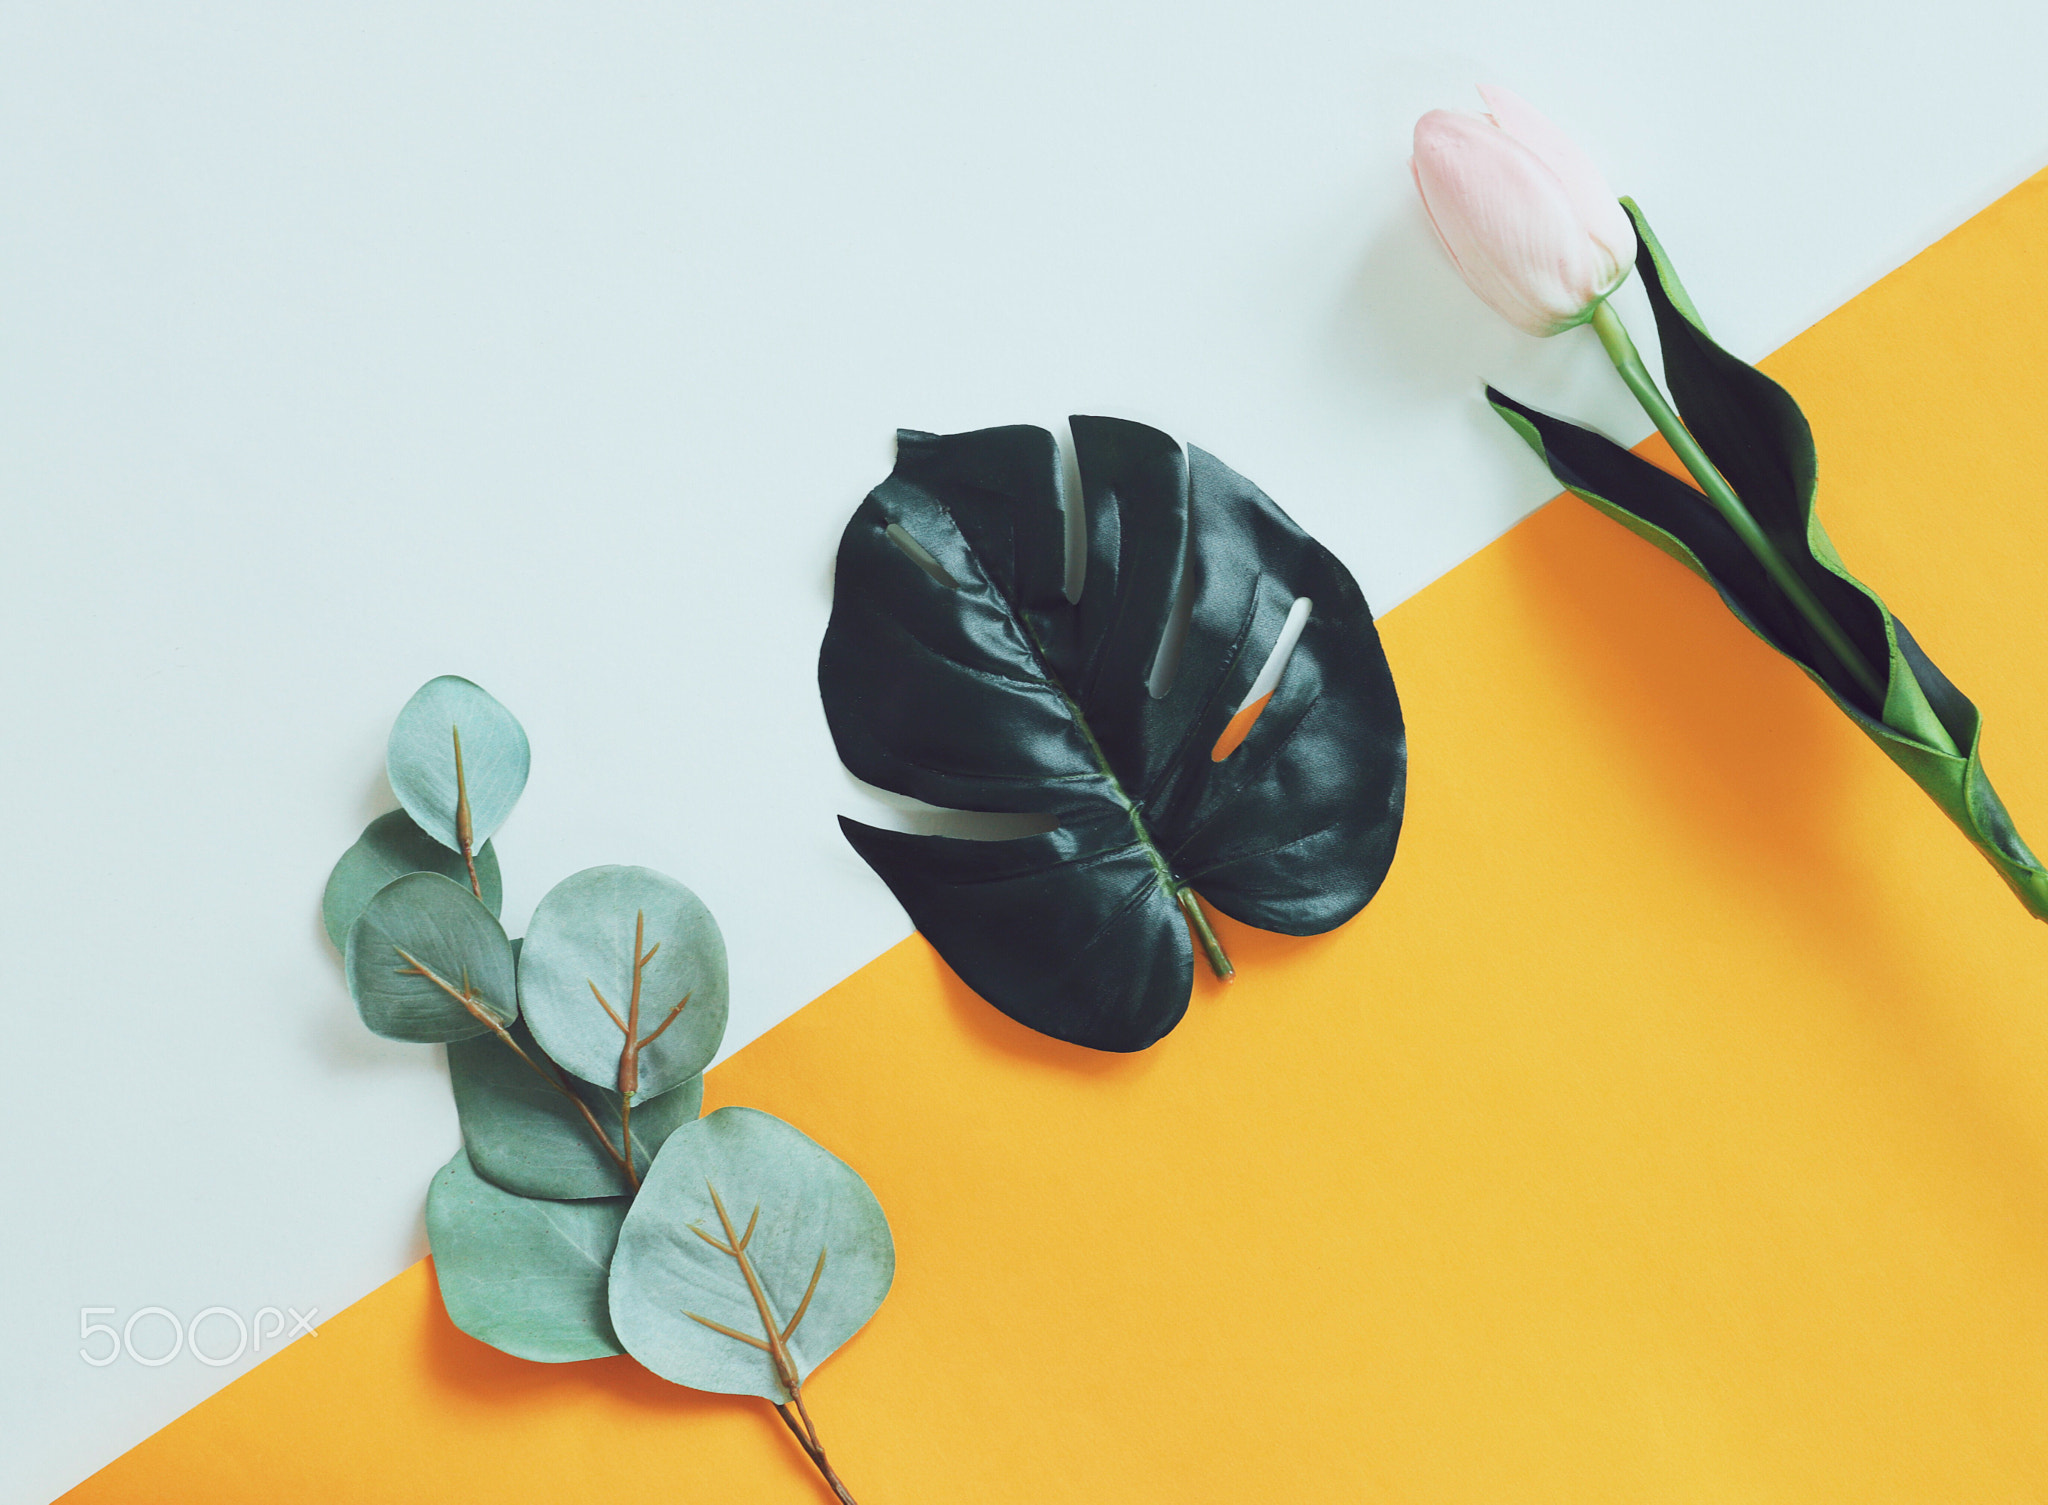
<point>1529,221</point>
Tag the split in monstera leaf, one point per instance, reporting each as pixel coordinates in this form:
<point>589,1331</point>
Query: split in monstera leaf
<point>590,1211</point>
<point>998,646</point>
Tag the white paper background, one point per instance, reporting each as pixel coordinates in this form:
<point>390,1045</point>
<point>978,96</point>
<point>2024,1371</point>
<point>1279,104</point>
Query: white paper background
<point>551,344</point>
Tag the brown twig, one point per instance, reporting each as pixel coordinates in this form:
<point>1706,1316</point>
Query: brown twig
<point>629,1054</point>
<point>629,1027</point>
<point>808,1441</point>
<point>465,833</point>
<point>467,998</point>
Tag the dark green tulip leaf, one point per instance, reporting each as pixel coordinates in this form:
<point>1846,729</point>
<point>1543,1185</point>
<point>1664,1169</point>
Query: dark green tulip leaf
<point>523,1133</point>
<point>390,847</point>
<point>580,985</point>
<point>420,760</point>
<point>1758,439</point>
<point>425,959</point>
<point>523,1275</point>
<point>734,1193</point>
<point>957,671</point>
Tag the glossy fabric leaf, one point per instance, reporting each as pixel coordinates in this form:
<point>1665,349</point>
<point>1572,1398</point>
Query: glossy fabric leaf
<point>419,947</point>
<point>523,1275</point>
<point>390,847</point>
<point>1757,437</point>
<point>819,1247</point>
<point>420,760</point>
<point>969,680</point>
<point>524,1135</point>
<point>580,946</point>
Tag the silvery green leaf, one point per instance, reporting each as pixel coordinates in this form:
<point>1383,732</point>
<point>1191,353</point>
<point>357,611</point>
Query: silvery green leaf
<point>523,1134</point>
<point>577,977</point>
<point>523,1275</point>
<point>421,759</point>
<point>740,1187</point>
<point>421,947</point>
<point>391,846</point>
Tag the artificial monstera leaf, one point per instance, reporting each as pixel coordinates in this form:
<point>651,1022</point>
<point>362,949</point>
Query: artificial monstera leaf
<point>523,1275</point>
<point>1759,440</point>
<point>750,1255</point>
<point>622,979</point>
<point>457,757</point>
<point>958,670</point>
<point>524,1133</point>
<point>427,962</point>
<point>390,847</point>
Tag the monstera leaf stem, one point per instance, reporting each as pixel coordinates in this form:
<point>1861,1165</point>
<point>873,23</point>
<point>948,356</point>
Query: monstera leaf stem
<point>1219,963</point>
<point>1628,361</point>
<point>1212,948</point>
<point>775,1336</point>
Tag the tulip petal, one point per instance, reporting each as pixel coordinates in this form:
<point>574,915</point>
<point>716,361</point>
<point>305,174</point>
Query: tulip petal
<point>1599,209</point>
<point>1508,223</point>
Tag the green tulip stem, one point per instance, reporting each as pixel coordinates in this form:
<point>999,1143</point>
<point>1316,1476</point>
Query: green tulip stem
<point>1211,947</point>
<point>1629,362</point>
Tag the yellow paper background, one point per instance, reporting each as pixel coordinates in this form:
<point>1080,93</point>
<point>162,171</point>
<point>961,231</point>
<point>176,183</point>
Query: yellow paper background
<point>1674,1127</point>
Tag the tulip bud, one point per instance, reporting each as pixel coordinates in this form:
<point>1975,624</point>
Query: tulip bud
<point>1525,215</point>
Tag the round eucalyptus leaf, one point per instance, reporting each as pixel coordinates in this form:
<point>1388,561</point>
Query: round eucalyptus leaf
<point>524,1135</point>
<point>576,977</point>
<point>523,1275</point>
<point>421,759</point>
<point>736,1185</point>
<point>421,946</point>
<point>391,846</point>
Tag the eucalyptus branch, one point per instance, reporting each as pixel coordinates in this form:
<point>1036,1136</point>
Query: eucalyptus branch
<point>776,1335</point>
<point>535,1250</point>
<point>629,1027</point>
<point>807,1438</point>
<point>555,1079</point>
<point>465,831</point>
<point>629,1054</point>
<point>467,998</point>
